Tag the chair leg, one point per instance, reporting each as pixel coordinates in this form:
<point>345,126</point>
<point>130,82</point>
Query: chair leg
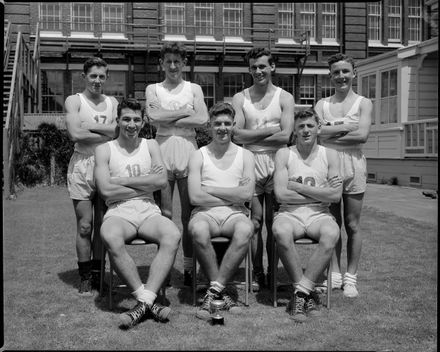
<point>274,273</point>
<point>329,282</point>
<point>194,277</point>
<point>102,273</point>
<point>110,293</point>
<point>246,268</point>
<point>250,268</point>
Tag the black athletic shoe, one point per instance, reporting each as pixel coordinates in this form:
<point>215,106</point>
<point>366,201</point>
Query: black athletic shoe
<point>312,305</point>
<point>204,311</point>
<point>230,303</point>
<point>187,278</point>
<point>297,307</point>
<point>134,316</point>
<point>85,287</point>
<point>159,312</point>
<point>259,279</point>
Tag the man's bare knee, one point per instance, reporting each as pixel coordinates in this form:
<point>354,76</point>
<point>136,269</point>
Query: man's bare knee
<point>200,233</point>
<point>85,228</point>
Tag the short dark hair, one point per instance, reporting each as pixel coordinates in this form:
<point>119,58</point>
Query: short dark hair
<point>340,57</point>
<point>173,48</point>
<point>255,53</point>
<point>129,103</point>
<point>305,114</point>
<point>222,108</point>
<point>94,61</point>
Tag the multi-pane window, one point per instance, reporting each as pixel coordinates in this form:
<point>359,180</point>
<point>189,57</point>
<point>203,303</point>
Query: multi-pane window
<point>307,90</point>
<point>414,20</point>
<point>174,17</point>
<point>394,18</point>
<point>286,82</point>
<point>52,91</point>
<point>327,88</point>
<point>307,16</point>
<point>329,20</point>
<point>286,21</point>
<point>204,18</point>
<point>233,18</point>
<point>50,16</point>
<point>232,83</point>
<point>113,17</point>
<point>82,17</point>
<point>207,83</point>
<point>369,90</point>
<point>115,85</point>
<point>374,21</point>
<point>388,97</point>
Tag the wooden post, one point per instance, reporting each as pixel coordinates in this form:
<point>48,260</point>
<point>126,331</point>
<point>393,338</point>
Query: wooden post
<point>6,178</point>
<point>52,169</point>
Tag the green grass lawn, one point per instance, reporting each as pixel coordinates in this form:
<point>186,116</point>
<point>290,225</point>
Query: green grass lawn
<point>396,309</point>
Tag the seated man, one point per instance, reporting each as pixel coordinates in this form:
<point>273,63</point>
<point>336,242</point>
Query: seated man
<point>221,179</point>
<point>128,170</point>
<point>306,181</point>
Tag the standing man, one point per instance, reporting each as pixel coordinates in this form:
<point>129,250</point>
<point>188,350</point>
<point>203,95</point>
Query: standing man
<point>346,120</point>
<point>128,170</point>
<point>306,181</point>
<point>90,119</point>
<point>264,123</point>
<point>176,107</point>
<point>221,179</point>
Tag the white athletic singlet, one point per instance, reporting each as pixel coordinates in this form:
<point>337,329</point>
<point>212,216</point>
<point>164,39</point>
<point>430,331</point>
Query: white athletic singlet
<point>174,102</point>
<point>88,114</point>
<point>268,117</point>
<point>137,164</point>
<point>352,116</point>
<point>313,170</point>
<point>213,176</point>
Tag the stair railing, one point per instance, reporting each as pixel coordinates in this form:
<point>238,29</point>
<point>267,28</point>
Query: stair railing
<point>7,41</point>
<point>22,92</point>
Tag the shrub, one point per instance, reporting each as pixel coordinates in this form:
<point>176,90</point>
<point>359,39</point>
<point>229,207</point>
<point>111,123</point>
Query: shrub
<point>33,162</point>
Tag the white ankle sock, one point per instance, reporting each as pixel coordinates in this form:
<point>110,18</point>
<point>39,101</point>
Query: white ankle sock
<point>143,295</point>
<point>350,279</point>
<point>217,286</point>
<point>305,285</point>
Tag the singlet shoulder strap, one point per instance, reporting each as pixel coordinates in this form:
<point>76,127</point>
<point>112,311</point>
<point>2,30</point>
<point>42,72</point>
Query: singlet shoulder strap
<point>355,107</point>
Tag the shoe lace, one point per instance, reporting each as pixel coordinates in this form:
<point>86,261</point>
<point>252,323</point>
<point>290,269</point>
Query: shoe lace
<point>207,299</point>
<point>229,302</point>
<point>299,305</point>
<point>137,312</point>
<point>311,303</point>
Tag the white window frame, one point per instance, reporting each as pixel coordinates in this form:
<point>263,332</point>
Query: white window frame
<point>233,19</point>
<point>308,18</point>
<point>174,18</point>
<point>87,20</point>
<point>386,101</point>
<point>206,80</point>
<point>234,85</point>
<point>50,22</point>
<point>329,21</point>
<point>111,23</point>
<point>414,20</point>
<point>307,92</point>
<point>395,21</point>
<point>327,88</point>
<point>286,20</point>
<point>374,22</point>
<point>369,90</point>
<point>204,18</point>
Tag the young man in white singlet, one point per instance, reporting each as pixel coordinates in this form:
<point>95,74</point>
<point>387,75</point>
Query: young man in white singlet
<point>346,120</point>
<point>128,170</point>
<point>221,179</point>
<point>90,120</point>
<point>176,107</point>
<point>264,123</point>
<point>306,181</point>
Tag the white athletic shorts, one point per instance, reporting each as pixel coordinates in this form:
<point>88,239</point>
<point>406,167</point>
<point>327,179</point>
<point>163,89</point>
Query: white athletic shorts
<point>264,169</point>
<point>304,215</point>
<point>353,166</point>
<point>80,180</point>
<point>220,215</point>
<point>135,211</point>
<point>176,151</point>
